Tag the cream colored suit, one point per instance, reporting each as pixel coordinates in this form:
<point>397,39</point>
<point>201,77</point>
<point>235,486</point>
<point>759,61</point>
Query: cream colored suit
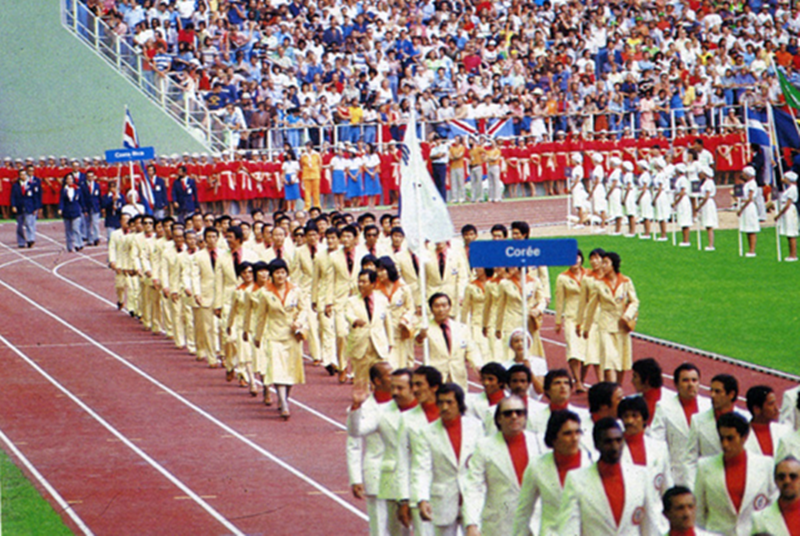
<point>225,282</point>
<point>613,301</point>
<point>592,348</point>
<point>568,299</point>
<point>187,303</point>
<point>472,310</point>
<point>278,319</point>
<point>203,290</point>
<point>492,492</point>
<point>669,424</point>
<point>715,510</point>
<point>509,313</point>
<point>321,284</point>
<point>134,284</point>
<point>404,321</point>
<point>491,301</point>
<point>454,280</point>
<point>770,521</point>
<point>116,254</point>
<point>305,280</point>
<point>368,344</point>
<point>452,363</point>
<point>405,265</point>
<point>170,283</point>
<point>141,252</point>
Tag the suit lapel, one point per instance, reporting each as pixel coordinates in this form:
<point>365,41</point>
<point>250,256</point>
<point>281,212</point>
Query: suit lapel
<point>503,459</point>
<point>598,499</point>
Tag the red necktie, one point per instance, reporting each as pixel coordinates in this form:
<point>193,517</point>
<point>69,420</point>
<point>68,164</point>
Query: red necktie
<point>446,334</point>
<point>213,254</point>
<point>368,303</point>
<point>349,256</point>
<point>441,264</point>
<point>313,250</point>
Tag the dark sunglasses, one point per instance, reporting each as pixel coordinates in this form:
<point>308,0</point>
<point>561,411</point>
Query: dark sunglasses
<point>517,412</point>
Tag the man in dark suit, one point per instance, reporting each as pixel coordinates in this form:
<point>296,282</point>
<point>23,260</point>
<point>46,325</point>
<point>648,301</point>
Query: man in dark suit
<point>91,199</point>
<point>184,194</point>
<point>26,199</point>
<point>160,201</point>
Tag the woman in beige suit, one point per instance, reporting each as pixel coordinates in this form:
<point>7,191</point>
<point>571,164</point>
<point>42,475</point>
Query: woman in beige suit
<point>617,307</point>
<point>568,297</point>
<point>401,312</point>
<point>472,310</point>
<point>258,355</point>
<point>235,327</point>
<point>509,311</point>
<point>281,320</point>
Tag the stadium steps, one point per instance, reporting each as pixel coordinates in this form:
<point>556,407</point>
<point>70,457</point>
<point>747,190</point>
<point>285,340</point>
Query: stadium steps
<point>58,97</point>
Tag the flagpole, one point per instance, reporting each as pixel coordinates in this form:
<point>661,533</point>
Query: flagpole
<point>773,132</point>
<point>524,313</point>
<point>422,283</point>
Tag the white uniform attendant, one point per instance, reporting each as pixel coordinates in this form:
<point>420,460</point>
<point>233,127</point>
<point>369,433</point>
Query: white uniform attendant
<point>658,464</point>
<point>599,199</point>
<point>630,207</point>
<point>493,489</point>
<point>788,225</point>
<point>439,476</point>
<point>789,445</point>
<point>615,192</point>
<point>669,424</point>
<point>683,210</point>
<point>748,221</point>
<point>580,199</point>
<point>364,467</point>
<point>646,201</point>
<point>585,509</point>
<point>708,214</point>
<point>715,510</point>
<point>703,440</point>
<point>661,201</point>
<point>770,521</point>
<point>776,430</point>
<point>541,481</point>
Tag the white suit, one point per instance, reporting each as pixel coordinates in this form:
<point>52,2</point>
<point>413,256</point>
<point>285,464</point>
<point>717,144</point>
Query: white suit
<point>789,412</point>
<point>715,511</point>
<point>493,490</point>
<point>585,509</point>
<point>541,481</point>
<point>363,467</point>
<point>703,439</point>
<point>413,423</point>
<point>437,476</point>
<point>770,520</point>
<point>790,444</point>
<point>669,424</point>
<point>777,430</point>
<point>660,477</point>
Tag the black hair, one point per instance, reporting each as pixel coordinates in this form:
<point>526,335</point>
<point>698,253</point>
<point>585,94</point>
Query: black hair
<point>432,375</point>
<point>520,368</point>
<point>683,367</point>
<point>500,227</point>
<point>236,231</point>
<point>370,274</point>
<point>436,296</point>
<point>671,493</point>
<point>391,270</point>
<point>277,264</point>
<point>615,260</point>
<point>350,229</point>
<point>634,403</point>
<point>649,371</point>
<point>456,389</point>
<point>556,422</point>
<point>552,375</point>
<point>522,227</point>
<point>606,423</point>
<point>209,230</point>
<point>397,230</point>
<point>371,227</point>
<point>757,396</point>
<point>241,267</point>
<point>734,420</point>
<point>600,394</point>
<point>467,228</point>
<point>729,383</point>
<point>497,370</point>
<point>597,251</point>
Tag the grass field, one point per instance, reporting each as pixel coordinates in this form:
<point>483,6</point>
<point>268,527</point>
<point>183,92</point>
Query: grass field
<point>716,301</point>
<point>25,512</point>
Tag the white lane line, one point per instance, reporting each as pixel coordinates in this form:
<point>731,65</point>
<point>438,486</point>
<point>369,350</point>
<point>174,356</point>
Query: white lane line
<point>64,505</point>
<point>80,255</point>
<point>127,442</point>
<point>299,474</point>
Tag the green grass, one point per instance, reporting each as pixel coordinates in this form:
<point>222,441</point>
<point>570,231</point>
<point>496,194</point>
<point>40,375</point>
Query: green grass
<point>25,512</point>
<point>716,301</point>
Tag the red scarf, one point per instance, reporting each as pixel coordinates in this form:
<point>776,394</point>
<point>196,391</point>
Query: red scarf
<point>791,515</point>
<point>736,478</point>
<point>564,464</point>
<point>519,454</point>
<point>412,405</point>
<point>636,446</point>
<point>431,411</point>
<point>558,407</point>
<point>764,437</point>
<point>382,397</point>
<point>689,408</point>
<point>651,397</point>
<point>614,486</point>
<point>687,532</point>
<point>454,433</point>
<point>496,397</point>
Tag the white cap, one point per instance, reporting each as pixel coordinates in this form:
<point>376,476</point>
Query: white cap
<point>597,158</point>
<point>627,166</point>
<point>749,171</point>
<point>578,157</point>
<point>707,171</point>
<point>615,161</point>
<point>642,164</point>
<point>680,168</point>
<point>790,176</point>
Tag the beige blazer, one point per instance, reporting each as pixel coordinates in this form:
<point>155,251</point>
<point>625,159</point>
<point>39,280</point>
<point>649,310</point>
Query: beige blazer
<point>378,331</point>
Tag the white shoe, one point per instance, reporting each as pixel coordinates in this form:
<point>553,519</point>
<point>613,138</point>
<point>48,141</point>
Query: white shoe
<point>709,248</point>
<point>685,244</point>
<point>790,259</point>
<point>660,239</point>
<point>749,254</point>
<point>579,226</point>
<point>615,234</point>
<point>645,237</point>
<point>630,235</point>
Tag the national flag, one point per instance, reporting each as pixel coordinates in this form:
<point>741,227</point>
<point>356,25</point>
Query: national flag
<point>493,128</point>
<point>790,92</point>
<point>786,129</point>
<point>423,213</point>
<point>463,127</point>
<point>130,140</point>
<point>500,128</point>
<point>756,130</point>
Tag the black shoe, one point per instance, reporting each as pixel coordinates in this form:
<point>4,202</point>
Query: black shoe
<point>96,243</point>
<point>132,314</point>
<point>331,369</point>
<point>79,249</point>
<point>119,306</point>
<point>30,244</point>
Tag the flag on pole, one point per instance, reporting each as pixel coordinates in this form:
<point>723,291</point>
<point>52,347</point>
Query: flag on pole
<point>130,140</point>
<point>756,131</point>
<point>423,213</point>
<point>790,92</point>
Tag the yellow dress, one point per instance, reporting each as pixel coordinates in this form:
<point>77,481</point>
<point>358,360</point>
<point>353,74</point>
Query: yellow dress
<point>276,314</point>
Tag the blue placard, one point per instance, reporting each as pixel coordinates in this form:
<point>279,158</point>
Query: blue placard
<point>508,253</point>
<point>126,155</point>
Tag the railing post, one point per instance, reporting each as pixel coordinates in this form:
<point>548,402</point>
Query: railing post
<point>94,29</point>
<point>118,53</point>
<point>74,15</point>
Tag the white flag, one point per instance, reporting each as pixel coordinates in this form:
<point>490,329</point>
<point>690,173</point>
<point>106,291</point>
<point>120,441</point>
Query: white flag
<point>423,212</point>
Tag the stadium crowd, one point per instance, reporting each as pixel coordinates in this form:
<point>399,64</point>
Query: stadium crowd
<point>251,296</point>
<point>586,69</point>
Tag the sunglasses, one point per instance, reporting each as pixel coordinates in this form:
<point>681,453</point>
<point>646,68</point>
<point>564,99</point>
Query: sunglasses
<point>517,412</point>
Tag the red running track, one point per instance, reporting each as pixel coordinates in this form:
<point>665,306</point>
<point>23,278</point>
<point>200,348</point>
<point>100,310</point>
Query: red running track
<point>162,444</point>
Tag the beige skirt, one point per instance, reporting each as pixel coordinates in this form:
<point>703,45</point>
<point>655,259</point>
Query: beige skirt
<point>285,362</point>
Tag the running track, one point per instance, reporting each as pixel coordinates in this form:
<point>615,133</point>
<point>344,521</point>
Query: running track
<point>123,433</point>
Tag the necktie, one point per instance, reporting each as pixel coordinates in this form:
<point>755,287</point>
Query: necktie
<point>313,250</point>
<point>349,256</point>
<point>368,303</point>
<point>22,187</point>
<point>372,250</point>
<point>446,334</point>
<point>415,263</point>
<point>213,254</point>
<point>235,260</point>
<point>279,253</point>
<point>441,264</point>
